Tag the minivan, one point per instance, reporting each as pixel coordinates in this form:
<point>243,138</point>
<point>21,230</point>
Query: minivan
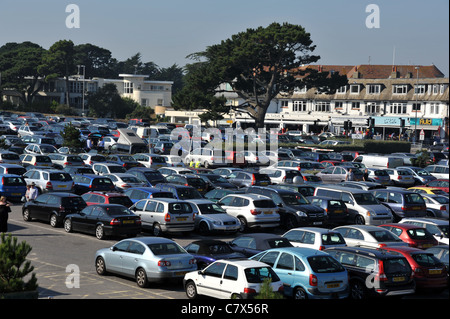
<point>362,205</point>
<point>379,161</point>
<point>403,203</point>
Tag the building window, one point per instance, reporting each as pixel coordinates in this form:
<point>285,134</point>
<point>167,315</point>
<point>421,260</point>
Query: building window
<point>398,108</point>
<point>420,89</point>
<point>434,108</point>
<point>342,89</point>
<point>338,105</point>
<point>322,106</point>
<point>144,102</point>
<point>443,88</point>
<point>400,89</point>
<point>159,102</point>
<point>299,106</point>
<point>128,87</point>
<point>354,88</point>
<point>372,108</point>
<point>356,105</point>
<point>417,107</point>
<point>374,89</point>
<point>284,104</point>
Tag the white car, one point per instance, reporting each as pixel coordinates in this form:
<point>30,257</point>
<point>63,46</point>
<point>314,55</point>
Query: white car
<point>314,237</point>
<point>400,177</point>
<point>91,158</point>
<point>369,236</point>
<point>437,205</point>
<point>210,217</point>
<point>124,181</point>
<point>167,171</point>
<point>438,227</point>
<point>252,210</point>
<point>438,171</point>
<point>226,279</point>
<point>282,175</point>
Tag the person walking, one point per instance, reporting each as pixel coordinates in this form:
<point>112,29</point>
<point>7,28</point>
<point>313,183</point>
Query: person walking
<point>366,175</point>
<point>350,175</point>
<point>4,212</point>
<point>31,192</point>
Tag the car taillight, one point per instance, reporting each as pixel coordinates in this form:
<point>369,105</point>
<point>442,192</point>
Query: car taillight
<point>418,272</point>
<point>167,217</point>
<point>249,291</point>
<point>381,275</point>
<point>192,261</point>
<point>312,280</point>
<point>253,179</point>
<point>49,185</point>
<point>66,163</point>
<point>443,208</point>
<point>254,212</point>
<point>138,221</point>
<point>321,247</point>
<point>281,289</point>
<point>164,263</point>
<point>114,222</point>
<point>382,245</point>
<point>125,185</point>
<point>399,177</point>
<point>62,208</point>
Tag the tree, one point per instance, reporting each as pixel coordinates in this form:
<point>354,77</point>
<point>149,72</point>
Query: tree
<point>71,136</point>
<point>257,64</point>
<point>59,61</point>
<point>106,100</point>
<point>98,62</point>
<point>19,64</point>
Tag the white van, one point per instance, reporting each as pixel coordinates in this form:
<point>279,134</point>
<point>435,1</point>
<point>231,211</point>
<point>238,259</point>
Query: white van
<point>379,161</point>
<point>153,131</point>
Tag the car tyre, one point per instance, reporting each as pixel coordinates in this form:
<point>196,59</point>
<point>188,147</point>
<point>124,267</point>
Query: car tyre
<point>99,232</point>
<point>244,224</point>
<point>359,220</point>
<point>203,228</point>
<point>191,290</point>
<point>54,220</point>
<point>68,225</point>
<point>141,278</point>
<point>100,266</point>
<point>357,290</point>
<point>300,293</point>
<point>157,231</point>
<point>26,215</point>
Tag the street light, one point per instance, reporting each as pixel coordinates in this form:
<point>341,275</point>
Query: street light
<point>84,73</point>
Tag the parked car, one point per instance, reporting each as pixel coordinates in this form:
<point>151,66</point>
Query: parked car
<point>413,235</point>
<point>217,194</point>
<point>368,236</point>
<point>420,175</point>
<point>314,237</point>
<point>63,160</point>
<point>427,190</point>
<point>88,182</point>
<point>152,259</point>
<point>108,168</point>
<point>41,149</point>
<point>380,176</point>
<point>35,160</point>
<point>127,161</point>
<point>216,181</point>
<point>305,190</point>
<point>365,185</point>
<point>12,186</point>
<point>207,251</point>
<point>189,180</point>
<point>181,192</point>
<point>150,160</point>
<point>91,158</point>
<point>252,244</point>
<point>137,193</point>
<point>95,198</point>
<point>441,253</point>
<point>429,272</point>
<point>167,171</point>
<point>307,273</point>
<point>439,183</point>
<point>438,227</point>
<point>335,209</point>
<point>165,215</point>
<point>49,180</point>
<point>437,205</point>
<point>389,274</point>
<point>247,179</point>
<point>149,175</point>
<point>438,171</point>
<point>227,172</point>
<point>252,210</point>
<point>211,218</point>
<point>240,279</point>
<point>52,207</point>
<point>281,175</point>
<point>400,177</point>
<point>12,169</point>
<point>104,220</point>
<point>78,170</point>
<point>124,181</point>
<point>403,203</point>
<point>338,174</point>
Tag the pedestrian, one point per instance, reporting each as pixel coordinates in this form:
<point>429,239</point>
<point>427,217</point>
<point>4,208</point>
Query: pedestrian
<point>32,192</point>
<point>4,211</point>
<point>350,175</point>
<point>101,145</point>
<point>89,143</point>
<point>366,175</point>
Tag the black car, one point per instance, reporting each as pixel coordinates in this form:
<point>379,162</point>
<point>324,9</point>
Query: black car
<point>75,170</point>
<point>218,193</point>
<point>209,250</point>
<point>52,207</point>
<point>374,272</point>
<point>147,175</point>
<point>294,209</point>
<point>305,190</point>
<point>216,181</point>
<point>247,179</point>
<point>337,211</point>
<point>251,244</point>
<point>189,180</point>
<point>104,220</point>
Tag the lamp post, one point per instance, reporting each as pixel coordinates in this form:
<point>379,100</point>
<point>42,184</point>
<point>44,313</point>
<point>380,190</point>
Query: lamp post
<point>82,99</point>
<point>416,91</point>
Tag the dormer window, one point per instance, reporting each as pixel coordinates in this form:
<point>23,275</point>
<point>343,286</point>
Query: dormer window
<point>374,89</point>
<point>355,88</point>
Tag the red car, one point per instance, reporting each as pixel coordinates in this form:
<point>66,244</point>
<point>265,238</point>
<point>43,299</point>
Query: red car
<point>95,198</point>
<point>439,183</point>
<point>429,272</point>
<point>414,235</point>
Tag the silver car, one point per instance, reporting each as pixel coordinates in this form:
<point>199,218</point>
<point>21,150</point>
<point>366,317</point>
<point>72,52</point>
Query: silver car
<point>400,177</point>
<point>124,181</point>
<point>210,217</point>
<point>145,259</point>
<point>420,175</point>
<point>369,236</point>
<point>437,205</point>
<point>49,180</point>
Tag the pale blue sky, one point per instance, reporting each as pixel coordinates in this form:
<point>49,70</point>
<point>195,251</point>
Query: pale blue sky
<point>166,31</point>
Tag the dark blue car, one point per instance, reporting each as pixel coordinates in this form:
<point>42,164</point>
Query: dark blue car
<point>89,183</point>
<point>148,175</point>
<point>138,193</point>
<point>12,186</point>
<point>210,250</point>
<point>180,191</point>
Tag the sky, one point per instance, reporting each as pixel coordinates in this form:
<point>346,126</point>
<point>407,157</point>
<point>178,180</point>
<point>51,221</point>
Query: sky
<point>346,32</point>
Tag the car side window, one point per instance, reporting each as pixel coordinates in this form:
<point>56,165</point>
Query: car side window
<point>52,200</point>
<point>286,261</point>
<point>355,234</point>
<point>140,205</point>
<point>160,208</point>
<point>227,200</point>
<point>231,273</point>
<point>395,198</point>
<point>42,199</point>
<point>151,206</point>
<point>215,270</point>
<point>367,263</point>
<point>136,248</point>
<point>309,238</point>
<point>299,266</point>
<point>269,258</point>
<point>294,235</point>
<point>397,231</point>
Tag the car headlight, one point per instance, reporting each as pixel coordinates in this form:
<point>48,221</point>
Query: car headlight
<point>301,214</point>
<point>217,222</point>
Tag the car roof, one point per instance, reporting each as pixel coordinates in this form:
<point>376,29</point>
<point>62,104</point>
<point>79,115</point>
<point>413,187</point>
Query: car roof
<point>244,263</point>
<point>200,201</point>
<point>404,226</point>
<point>427,220</point>
<point>378,253</point>
<point>249,196</point>
<point>360,227</point>
<point>305,251</point>
<point>314,229</point>
<point>62,194</point>
<point>151,240</point>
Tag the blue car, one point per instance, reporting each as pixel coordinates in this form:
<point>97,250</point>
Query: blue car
<point>307,273</point>
<point>90,182</point>
<point>138,193</point>
<point>12,186</point>
<point>209,250</point>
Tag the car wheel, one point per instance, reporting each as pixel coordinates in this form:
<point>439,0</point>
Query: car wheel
<point>291,222</point>
<point>157,231</point>
<point>357,290</point>
<point>359,220</point>
<point>206,165</point>
<point>68,225</point>
<point>300,293</point>
<point>53,220</point>
<point>100,266</point>
<point>141,278</point>
<point>191,290</point>
<point>203,228</point>
<point>26,215</point>
<point>243,222</point>
<point>430,214</point>
<point>99,232</point>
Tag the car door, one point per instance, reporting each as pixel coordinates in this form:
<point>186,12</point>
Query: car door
<point>114,257</point>
<point>229,281</point>
<point>131,258</point>
<point>138,208</point>
<point>285,269</point>
<point>35,207</point>
<point>79,220</point>
<point>210,280</point>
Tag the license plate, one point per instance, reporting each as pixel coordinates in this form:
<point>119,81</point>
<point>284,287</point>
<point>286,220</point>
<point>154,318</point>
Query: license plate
<point>181,219</point>
<point>268,213</point>
<point>180,273</point>
<point>435,271</point>
<point>336,285</point>
<point>128,221</point>
<point>16,194</point>
<point>62,186</point>
<point>263,183</point>
<point>200,189</point>
<point>427,245</point>
<point>159,165</point>
<point>417,208</point>
<point>338,211</point>
<point>317,223</point>
<point>398,279</point>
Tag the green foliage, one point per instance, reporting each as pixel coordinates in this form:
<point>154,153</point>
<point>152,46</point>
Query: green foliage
<point>14,267</point>
<point>422,160</point>
<point>266,291</point>
<point>71,136</point>
<point>141,112</point>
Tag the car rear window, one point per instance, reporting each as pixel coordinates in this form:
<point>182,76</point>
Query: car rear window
<point>43,159</point>
<point>98,158</point>
<point>259,274</point>
<point>279,242</point>
<point>102,181</point>
<point>396,265</point>
<point>16,170</point>
<point>166,249</point>
<point>118,210</point>
<point>383,235</point>
<point>117,169</point>
<point>13,181</point>
<point>162,195</point>
<point>180,208</point>
<point>419,234</point>
<point>196,182</point>
<point>264,203</point>
<point>261,177</point>
<point>381,173</point>
<point>324,264</point>
<point>158,159</point>
<point>74,159</point>
<point>188,193</point>
<point>333,239</point>
<point>122,200</point>
<point>414,199</point>
<point>60,177</point>
<point>426,260</point>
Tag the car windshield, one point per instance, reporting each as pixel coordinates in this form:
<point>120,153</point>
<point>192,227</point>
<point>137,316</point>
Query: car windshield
<point>365,199</point>
<point>48,149</point>
<point>211,209</point>
<point>126,158</point>
<point>441,199</point>
<point>324,264</point>
<point>180,208</point>
<point>189,193</point>
<point>293,199</point>
<point>257,275</point>
<point>384,236</point>
<point>414,199</point>
<point>396,265</point>
<point>166,249</point>
<point>13,181</point>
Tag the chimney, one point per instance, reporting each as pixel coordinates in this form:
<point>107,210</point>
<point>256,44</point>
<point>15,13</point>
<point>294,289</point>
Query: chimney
<point>394,73</point>
<point>356,74</point>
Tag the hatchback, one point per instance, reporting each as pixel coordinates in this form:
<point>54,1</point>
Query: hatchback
<point>95,198</point>
<point>400,177</point>
<point>12,186</point>
<point>88,182</point>
<point>36,160</point>
<point>335,209</point>
<point>126,161</point>
<point>108,168</point>
<point>91,158</point>
<point>63,160</point>
<point>104,220</point>
<point>314,237</point>
<point>124,181</point>
<point>368,236</point>
<point>282,175</point>
<point>41,149</point>
<point>150,160</point>
<point>420,175</point>
<point>252,244</point>
<point>137,193</point>
<point>337,174</point>
<point>189,180</point>
<point>375,272</point>
<point>379,176</point>
<point>439,183</point>
<point>181,192</point>
<point>147,175</point>
<point>239,279</point>
<point>145,259</point>
<point>52,207</point>
<point>50,180</point>
<point>247,179</point>
<point>307,273</point>
<point>414,235</point>
<point>403,203</point>
<point>12,169</point>
<point>438,227</point>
